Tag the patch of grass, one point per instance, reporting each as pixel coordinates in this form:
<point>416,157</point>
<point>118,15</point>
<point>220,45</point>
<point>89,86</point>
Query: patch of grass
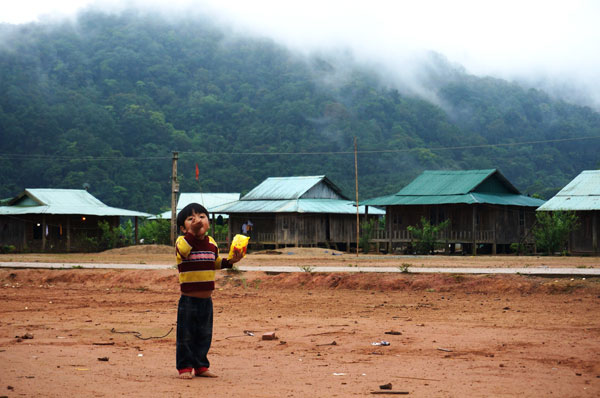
<point>307,268</point>
<point>244,283</point>
<point>77,267</point>
<point>404,268</point>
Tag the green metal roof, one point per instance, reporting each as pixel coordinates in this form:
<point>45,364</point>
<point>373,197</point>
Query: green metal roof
<point>62,201</point>
<point>447,187</point>
<point>581,194</point>
<point>208,200</point>
<point>305,194</point>
<point>303,187</point>
<point>332,206</point>
<point>469,198</point>
<point>456,182</point>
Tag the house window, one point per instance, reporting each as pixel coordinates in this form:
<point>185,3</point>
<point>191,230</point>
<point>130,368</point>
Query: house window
<point>521,218</point>
<point>37,231</point>
<point>56,231</point>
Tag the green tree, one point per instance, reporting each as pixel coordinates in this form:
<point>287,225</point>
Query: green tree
<point>367,229</point>
<point>552,230</point>
<point>156,232</point>
<point>113,237</point>
<point>425,237</point>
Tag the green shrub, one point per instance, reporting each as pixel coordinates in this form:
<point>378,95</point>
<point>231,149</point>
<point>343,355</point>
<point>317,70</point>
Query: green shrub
<point>518,248</point>
<point>552,230</point>
<point>367,230</point>
<point>112,237</point>
<point>7,249</point>
<point>424,238</point>
<point>156,232</point>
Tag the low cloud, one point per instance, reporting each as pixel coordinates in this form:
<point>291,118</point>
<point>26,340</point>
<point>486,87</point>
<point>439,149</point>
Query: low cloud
<point>549,44</point>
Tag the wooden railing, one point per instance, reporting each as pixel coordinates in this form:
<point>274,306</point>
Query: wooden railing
<point>443,236</point>
<point>265,237</point>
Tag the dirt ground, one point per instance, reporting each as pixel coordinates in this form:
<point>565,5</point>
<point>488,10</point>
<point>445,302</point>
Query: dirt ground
<point>105,333</point>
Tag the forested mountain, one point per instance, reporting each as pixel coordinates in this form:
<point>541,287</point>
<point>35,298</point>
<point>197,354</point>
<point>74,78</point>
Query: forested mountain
<point>106,100</point>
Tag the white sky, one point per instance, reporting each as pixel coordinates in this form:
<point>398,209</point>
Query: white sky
<point>531,39</point>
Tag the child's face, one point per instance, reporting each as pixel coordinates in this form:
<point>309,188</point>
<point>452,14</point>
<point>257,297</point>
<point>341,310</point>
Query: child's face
<point>197,224</point>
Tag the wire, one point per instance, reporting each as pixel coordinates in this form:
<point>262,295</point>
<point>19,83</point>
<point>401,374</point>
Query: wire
<point>375,151</point>
<point>139,334</point>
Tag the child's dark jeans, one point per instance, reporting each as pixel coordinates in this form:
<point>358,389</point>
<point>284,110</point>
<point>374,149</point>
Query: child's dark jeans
<point>194,332</point>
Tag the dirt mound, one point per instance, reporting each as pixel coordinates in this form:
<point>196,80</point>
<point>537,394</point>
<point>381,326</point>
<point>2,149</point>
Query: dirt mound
<point>301,252</point>
<point>430,283</point>
<point>139,249</point>
<point>167,280</point>
<point>160,280</point>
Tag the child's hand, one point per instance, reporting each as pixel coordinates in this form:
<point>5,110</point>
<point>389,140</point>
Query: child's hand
<point>195,227</point>
<point>237,256</point>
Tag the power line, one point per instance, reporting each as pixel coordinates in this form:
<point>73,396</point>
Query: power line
<point>13,156</point>
<point>17,156</point>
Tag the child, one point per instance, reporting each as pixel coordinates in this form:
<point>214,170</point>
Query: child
<point>197,260</point>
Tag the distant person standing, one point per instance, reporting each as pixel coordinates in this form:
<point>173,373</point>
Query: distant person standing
<point>247,227</point>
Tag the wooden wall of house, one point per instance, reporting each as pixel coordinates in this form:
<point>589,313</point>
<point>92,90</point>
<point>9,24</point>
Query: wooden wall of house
<point>26,232</point>
<point>12,230</point>
<point>314,229</point>
<point>460,215</point>
<point>298,229</point>
<point>343,228</point>
<point>263,223</point>
<point>509,223</point>
<point>513,223</point>
<point>585,239</point>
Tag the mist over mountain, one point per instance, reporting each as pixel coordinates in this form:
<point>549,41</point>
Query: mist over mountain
<point>105,100</point>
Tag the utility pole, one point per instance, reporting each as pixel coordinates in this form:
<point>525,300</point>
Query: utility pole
<point>356,185</point>
<point>174,191</point>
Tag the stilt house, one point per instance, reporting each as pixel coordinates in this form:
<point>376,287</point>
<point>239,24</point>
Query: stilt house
<point>486,212</point>
<point>56,220</point>
<point>296,211</point>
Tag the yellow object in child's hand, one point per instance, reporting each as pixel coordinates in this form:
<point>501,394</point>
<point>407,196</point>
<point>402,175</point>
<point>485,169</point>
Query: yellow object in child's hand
<point>239,243</point>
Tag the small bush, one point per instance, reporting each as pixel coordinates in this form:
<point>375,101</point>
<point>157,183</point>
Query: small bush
<point>7,249</point>
<point>552,230</point>
<point>424,238</point>
<point>112,237</point>
<point>156,232</point>
<point>367,230</point>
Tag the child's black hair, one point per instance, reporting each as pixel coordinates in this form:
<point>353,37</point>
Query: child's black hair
<point>188,211</point>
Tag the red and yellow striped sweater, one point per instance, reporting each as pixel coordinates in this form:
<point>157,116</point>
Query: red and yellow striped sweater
<point>197,261</point>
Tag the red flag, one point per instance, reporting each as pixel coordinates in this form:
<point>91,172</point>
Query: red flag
<point>197,173</point>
